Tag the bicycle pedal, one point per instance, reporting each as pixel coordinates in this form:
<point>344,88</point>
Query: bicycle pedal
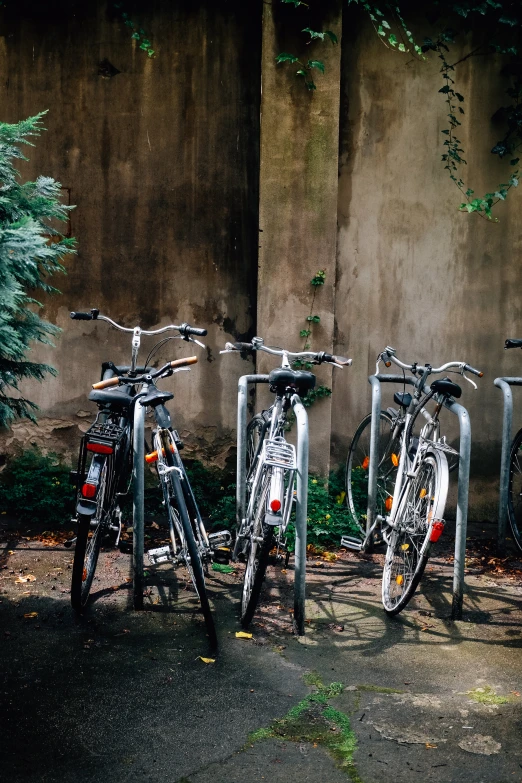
<point>160,555</point>
<point>222,555</point>
<point>221,538</point>
<point>350,542</point>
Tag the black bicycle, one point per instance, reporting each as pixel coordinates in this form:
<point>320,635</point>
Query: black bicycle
<point>106,466</point>
<point>514,504</point>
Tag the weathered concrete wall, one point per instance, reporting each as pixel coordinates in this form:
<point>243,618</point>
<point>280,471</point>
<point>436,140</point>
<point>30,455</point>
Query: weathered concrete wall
<point>298,197</point>
<point>412,271</point>
<point>162,161</point>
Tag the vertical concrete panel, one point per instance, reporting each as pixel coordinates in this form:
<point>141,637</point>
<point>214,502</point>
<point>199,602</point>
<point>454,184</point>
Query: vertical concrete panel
<point>298,197</point>
<point>413,271</point>
<point>161,157</point>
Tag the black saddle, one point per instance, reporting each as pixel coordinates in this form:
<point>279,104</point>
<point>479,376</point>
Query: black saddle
<point>119,399</point>
<point>156,397</point>
<point>282,378</point>
<point>403,399</point>
<point>447,388</point>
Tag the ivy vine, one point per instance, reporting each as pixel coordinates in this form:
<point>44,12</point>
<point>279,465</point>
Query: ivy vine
<point>319,392</point>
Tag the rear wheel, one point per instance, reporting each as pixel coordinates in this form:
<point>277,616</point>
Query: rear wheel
<point>514,505</point>
<point>358,463</point>
<point>259,543</point>
<point>409,545</point>
<point>88,542</point>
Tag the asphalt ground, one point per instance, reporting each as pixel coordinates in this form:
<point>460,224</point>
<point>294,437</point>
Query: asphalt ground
<point>123,696</point>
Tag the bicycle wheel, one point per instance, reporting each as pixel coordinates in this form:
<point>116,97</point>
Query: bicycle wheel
<point>258,550</point>
<point>256,431</point>
<point>179,520</point>
<point>88,543</point>
<point>514,504</point>
<point>408,550</point>
<point>358,462</point>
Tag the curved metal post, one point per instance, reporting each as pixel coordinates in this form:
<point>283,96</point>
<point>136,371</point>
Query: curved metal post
<point>138,509</point>
<point>300,515</point>
<point>504,384</point>
<point>242,399</point>
<point>462,508</point>
<point>374,451</point>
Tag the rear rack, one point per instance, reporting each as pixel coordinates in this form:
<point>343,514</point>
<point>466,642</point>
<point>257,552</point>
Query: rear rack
<point>280,454</point>
<point>105,433</point>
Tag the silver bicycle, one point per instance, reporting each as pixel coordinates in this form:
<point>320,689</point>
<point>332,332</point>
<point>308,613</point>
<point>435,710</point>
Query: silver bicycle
<point>412,477</point>
<point>271,467</point>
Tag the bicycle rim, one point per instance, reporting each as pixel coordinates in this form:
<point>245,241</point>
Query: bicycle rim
<point>259,546</point>
<point>408,548</point>
<point>514,505</point>
<point>357,468</point>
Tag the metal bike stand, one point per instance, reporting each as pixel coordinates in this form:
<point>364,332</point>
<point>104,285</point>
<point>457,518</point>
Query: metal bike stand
<point>463,479</point>
<point>504,385</point>
<point>138,503</point>
<point>302,488</point>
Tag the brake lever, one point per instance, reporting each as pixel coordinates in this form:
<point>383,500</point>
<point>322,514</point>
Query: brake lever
<point>469,380</point>
<point>229,348</point>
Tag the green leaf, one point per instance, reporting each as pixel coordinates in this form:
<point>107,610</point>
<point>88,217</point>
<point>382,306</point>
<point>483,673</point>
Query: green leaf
<point>402,48</point>
<point>313,34</point>
<point>332,36</point>
<point>301,72</point>
<point>285,57</point>
<point>136,36</point>
<point>385,24</point>
<point>445,89</point>
<point>392,39</point>
<point>316,64</point>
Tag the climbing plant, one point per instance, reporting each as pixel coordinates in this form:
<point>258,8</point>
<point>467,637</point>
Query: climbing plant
<point>320,391</point>
<point>488,29</point>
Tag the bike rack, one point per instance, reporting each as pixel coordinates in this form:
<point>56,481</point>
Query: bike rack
<point>463,479</point>
<point>504,385</point>
<point>138,502</point>
<point>302,488</point>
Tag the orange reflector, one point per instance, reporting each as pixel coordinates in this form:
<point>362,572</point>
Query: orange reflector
<point>395,460</point>
<point>388,503</point>
<point>399,579</point>
<point>275,504</point>
<point>84,575</point>
<point>436,531</point>
<point>100,448</point>
<point>153,456</point>
<point>89,490</point>
<point>423,493</point>
<point>387,364</point>
<point>365,463</point>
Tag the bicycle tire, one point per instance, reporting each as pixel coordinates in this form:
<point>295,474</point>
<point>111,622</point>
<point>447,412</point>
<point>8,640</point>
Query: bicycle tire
<point>256,431</point>
<point>408,550</point>
<point>87,549</point>
<point>194,564</point>
<point>257,554</point>
<point>357,464</point>
<point>514,504</point>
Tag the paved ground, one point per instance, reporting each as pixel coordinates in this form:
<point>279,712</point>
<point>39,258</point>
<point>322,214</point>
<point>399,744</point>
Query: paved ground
<point>121,696</point>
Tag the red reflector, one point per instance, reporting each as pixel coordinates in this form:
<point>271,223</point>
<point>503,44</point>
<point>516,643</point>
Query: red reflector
<point>436,531</point>
<point>275,505</point>
<point>100,448</point>
<point>89,490</point>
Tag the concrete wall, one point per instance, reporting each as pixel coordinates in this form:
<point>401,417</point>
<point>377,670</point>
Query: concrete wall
<point>162,161</point>
<point>412,271</point>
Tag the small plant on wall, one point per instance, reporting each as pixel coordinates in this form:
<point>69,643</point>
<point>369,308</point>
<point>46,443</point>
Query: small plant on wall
<point>320,392</point>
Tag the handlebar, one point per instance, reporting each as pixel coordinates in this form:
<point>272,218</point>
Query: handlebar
<point>513,343</point>
<point>388,356</point>
<point>185,330</point>
<point>168,368</point>
<point>311,356</point>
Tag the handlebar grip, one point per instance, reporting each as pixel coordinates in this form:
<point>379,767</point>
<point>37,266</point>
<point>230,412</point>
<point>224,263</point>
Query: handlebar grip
<point>472,370</point>
<point>82,316</point>
<point>243,346</point>
<point>513,343</point>
<point>184,362</point>
<point>342,360</point>
<point>105,384</point>
<point>186,329</point>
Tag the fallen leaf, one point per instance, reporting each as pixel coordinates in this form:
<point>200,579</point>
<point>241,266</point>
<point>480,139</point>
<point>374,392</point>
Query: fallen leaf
<point>243,635</point>
<point>207,660</point>
<point>24,579</point>
<point>31,615</point>
<point>430,745</point>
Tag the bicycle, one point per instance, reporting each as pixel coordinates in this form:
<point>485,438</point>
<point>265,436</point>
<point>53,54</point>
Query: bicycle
<point>514,504</point>
<point>271,468</point>
<point>412,478</point>
<point>109,475</point>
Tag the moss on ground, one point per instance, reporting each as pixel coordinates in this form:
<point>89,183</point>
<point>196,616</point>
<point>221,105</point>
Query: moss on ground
<point>315,721</point>
<point>487,695</point>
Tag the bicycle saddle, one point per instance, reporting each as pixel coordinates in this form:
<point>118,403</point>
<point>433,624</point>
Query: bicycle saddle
<point>156,397</point>
<point>281,378</point>
<point>403,399</point>
<point>116,398</point>
<point>447,387</point>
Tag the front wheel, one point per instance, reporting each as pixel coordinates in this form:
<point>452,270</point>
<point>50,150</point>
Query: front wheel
<point>408,550</point>
<point>259,544</point>
<point>514,504</point>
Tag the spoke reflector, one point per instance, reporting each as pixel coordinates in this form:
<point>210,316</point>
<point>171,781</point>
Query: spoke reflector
<point>388,503</point>
<point>395,460</point>
<point>365,463</point>
<point>399,579</point>
<point>423,493</point>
